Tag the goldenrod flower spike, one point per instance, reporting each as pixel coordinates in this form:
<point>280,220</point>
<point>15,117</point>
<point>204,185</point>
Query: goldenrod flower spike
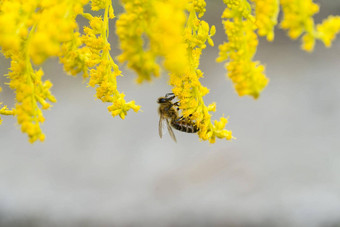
<point>186,85</point>
<point>239,24</point>
<point>26,35</point>
<point>152,29</point>
<point>104,72</point>
<point>298,20</point>
<point>30,91</point>
<point>328,29</point>
<point>266,13</point>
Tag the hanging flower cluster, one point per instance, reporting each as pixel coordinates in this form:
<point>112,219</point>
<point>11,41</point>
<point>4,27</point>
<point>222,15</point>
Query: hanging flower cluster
<point>298,21</point>
<point>154,35</point>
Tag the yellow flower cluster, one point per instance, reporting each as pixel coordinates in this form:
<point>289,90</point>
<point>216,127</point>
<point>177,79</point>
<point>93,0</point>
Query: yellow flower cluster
<point>19,23</point>
<point>32,31</point>
<point>55,24</point>
<point>104,70</point>
<point>152,29</point>
<point>186,85</point>
<point>247,76</point>
<point>298,20</point>
<point>266,13</point>
<point>30,91</point>
<point>328,29</point>
<point>153,34</point>
<point>74,56</point>
<point>144,31</point>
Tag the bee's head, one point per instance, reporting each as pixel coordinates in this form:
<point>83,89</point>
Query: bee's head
<point>162,100</point>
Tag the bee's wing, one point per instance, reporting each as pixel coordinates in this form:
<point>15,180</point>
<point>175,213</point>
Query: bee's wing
<point>172,134</point>
<point>160,126</point>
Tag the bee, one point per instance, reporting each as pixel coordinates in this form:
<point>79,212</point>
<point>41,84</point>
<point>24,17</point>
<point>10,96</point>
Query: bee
<point>168,112</point>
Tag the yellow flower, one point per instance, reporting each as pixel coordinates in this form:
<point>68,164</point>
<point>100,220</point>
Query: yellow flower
<point>328,29</point>
<point>266,12</point>
<point>151,29</point>
<point>30,91</point>
<point>248,76</point>
<point>298,16</point>
<point>5,111</point>
<point>120,107</point>
<point>298,20</point>
<point>28,32</point>
<point>186,85</point>
<point>104,70</point>
<point>98,4</point>
<point>74,57</point>
<point>48,38</point>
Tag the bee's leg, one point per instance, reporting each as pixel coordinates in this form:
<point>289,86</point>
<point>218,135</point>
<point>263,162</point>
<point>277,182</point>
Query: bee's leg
<point>173,104</point>
<point>180,118</point>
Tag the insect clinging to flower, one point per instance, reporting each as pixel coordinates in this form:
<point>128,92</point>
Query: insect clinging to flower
<point>168,112</point>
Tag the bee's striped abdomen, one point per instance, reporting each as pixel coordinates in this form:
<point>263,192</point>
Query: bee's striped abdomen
<point>184,126</point>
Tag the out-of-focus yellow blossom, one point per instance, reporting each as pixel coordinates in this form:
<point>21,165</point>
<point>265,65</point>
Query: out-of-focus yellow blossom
<point>248,76</point>
<point>150,29</point>
<point>328,29</point>
<point>298,16</point>
<point>5,111</point>
<point>186,85</point>
<point>32,31</point>
<point>199,6</point>
<point>55,24</point>
<point>298,20</point>
<point>266,13</point>
<point>74,56</point>
<point>29,32</point>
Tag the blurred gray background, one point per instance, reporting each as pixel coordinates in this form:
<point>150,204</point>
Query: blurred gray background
<point>95,170</point>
